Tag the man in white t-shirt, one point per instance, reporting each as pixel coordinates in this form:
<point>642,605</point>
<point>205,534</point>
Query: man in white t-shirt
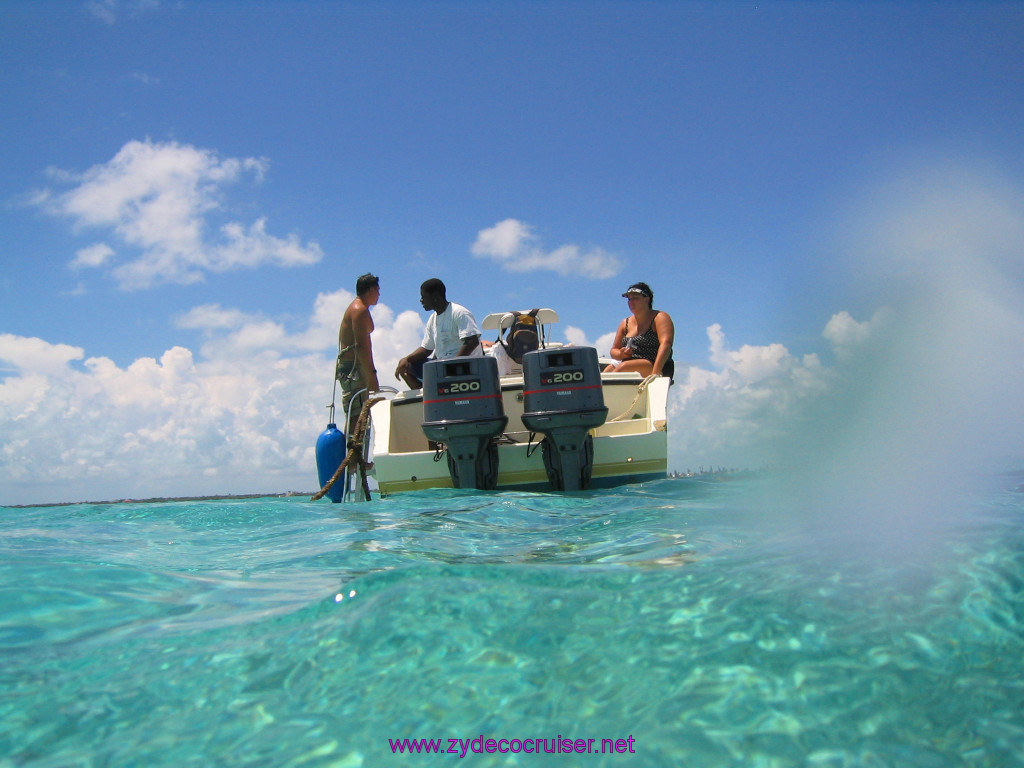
<point>451,332</point>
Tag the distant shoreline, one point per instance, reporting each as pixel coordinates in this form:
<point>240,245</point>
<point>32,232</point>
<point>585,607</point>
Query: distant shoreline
<point>163,499</point>
<point>287,494</point>
<point>672,475</point>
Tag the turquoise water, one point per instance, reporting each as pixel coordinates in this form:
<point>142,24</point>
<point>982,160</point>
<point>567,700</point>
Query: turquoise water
<point>701,618</point>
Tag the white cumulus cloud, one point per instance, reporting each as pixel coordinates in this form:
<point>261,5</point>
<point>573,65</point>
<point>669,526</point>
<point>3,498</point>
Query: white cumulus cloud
<point>513,245</point>
<point>241,415</point>
<point>848,336</point>
<point>158,201</point>
<point>734,412</point>
<point>93,256</point>
<point>578,336</point>
<point>36,355</point>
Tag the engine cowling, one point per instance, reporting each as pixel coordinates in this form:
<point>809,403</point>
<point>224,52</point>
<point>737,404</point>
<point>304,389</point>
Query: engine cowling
<point>563,399</point>
<point>462,408</point>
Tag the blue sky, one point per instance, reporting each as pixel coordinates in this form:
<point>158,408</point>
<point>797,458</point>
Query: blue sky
<point>191,188</point>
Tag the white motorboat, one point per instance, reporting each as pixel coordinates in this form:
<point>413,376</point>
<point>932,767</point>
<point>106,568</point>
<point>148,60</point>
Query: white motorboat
<point>528,436</point>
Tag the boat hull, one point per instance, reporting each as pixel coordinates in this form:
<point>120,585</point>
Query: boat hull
<point>631,447</point>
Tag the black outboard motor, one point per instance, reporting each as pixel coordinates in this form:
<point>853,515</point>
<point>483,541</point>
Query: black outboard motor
<point>563,399</point>
<point>462,409</point>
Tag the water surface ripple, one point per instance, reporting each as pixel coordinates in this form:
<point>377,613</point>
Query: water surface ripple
<point>714,627</point>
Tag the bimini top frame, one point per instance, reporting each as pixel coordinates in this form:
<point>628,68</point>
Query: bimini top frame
<point>502,321</point>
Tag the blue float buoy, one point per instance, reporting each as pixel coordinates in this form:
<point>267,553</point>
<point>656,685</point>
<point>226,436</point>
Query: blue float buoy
<point>330,452</point>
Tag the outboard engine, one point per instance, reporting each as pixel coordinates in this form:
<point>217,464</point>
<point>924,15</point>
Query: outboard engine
<point>462,409</point>
<point>563,399</point>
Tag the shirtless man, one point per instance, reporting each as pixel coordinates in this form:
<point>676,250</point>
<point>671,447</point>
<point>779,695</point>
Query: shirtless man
<point>355,370</point>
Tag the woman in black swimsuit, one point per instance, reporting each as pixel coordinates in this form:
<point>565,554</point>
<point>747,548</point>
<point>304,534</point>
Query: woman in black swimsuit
<point>643,341</point>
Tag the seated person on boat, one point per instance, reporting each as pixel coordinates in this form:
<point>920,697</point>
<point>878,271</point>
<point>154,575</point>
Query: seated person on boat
<point>643,341</point>
<point>451,332</point>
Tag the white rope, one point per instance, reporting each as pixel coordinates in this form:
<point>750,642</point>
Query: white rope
<point>640,389</point>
